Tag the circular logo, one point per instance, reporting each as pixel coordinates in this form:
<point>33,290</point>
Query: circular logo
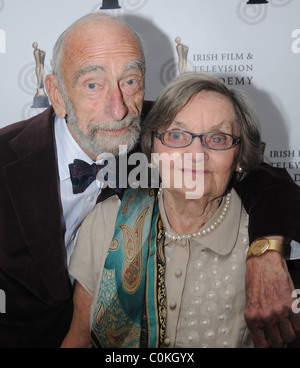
<point>251,14</point>
<point>279,3</point>
<point>133,5</point>
<point>27,79</point>
<point>168,71</point>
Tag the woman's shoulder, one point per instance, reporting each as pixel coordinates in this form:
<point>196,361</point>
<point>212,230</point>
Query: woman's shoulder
<point>103,211</point>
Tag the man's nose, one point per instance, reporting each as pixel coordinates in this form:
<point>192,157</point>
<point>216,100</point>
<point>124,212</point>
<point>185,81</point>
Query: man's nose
<point>117,107</point>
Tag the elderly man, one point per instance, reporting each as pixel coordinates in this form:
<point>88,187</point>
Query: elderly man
<point>96,91</point>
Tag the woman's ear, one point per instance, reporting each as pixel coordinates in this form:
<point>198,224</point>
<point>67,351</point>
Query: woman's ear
<point>55,96</point>
<point>238,168</point>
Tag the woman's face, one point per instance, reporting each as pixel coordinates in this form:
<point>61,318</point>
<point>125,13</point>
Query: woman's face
<point>208,169</point>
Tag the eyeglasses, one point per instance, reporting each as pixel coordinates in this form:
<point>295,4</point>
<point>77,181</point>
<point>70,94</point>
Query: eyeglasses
<point>213,140</point>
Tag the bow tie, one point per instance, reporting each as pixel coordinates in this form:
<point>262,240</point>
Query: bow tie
<point>83,174</point>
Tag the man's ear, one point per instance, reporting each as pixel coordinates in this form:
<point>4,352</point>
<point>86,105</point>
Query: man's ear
<point>54,94</point>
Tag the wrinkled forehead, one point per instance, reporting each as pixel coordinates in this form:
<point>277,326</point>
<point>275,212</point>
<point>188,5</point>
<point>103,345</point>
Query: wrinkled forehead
<point>210,104</point>
<point>105,44</point>
<point>106,36</point>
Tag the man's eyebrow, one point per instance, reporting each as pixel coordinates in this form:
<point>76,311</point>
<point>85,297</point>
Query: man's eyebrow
<point>136,65</point>
<point>87,69</point>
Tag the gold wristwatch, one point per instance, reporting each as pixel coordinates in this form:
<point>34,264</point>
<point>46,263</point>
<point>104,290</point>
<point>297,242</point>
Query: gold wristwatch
<point>262,245</point>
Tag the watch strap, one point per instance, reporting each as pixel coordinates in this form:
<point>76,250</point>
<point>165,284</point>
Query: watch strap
<point>271,244</point>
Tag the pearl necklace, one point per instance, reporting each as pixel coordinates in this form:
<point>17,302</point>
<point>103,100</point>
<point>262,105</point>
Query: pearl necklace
<point>206,231</point>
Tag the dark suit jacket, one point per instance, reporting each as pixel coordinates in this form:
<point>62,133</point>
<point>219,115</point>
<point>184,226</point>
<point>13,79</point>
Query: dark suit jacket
<point>33,273</point>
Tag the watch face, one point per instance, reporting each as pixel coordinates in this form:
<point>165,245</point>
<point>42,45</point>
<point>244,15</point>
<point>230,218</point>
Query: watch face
<point>260,246</point>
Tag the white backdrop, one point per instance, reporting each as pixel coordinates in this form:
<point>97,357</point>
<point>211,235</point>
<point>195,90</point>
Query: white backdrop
<point>251,46</point>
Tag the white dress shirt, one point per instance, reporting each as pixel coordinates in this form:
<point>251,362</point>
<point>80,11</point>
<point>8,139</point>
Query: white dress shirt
<point>75,206</point>
<point>295,250</point>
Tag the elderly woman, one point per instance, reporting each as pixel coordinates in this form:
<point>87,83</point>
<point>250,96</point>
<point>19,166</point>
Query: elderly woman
<point>168,271</point>
<point>205,238</point>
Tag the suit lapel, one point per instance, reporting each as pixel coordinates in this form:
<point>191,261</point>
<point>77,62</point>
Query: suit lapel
<point>34,190</point>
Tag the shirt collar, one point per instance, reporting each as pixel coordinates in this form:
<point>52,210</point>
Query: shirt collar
<point>223,238</point>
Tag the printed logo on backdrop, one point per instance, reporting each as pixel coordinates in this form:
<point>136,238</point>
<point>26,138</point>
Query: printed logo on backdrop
<point>296,42</point>
<point>286,159</point>
<point>133,5</point>
<point>233,68</point>
<point>115,7</point>
<point>255,11</point>
<point>172,67</point>
<point>40,99</point>
<point>31,81</point>
<point>2,33</point>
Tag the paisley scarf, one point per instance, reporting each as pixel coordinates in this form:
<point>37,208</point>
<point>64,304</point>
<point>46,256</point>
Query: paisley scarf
<point>131,302</point>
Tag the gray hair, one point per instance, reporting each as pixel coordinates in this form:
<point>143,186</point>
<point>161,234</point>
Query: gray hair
<point>89,18</point>
<point>180,91</point>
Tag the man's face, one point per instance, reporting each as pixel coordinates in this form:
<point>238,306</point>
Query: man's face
<point>104,85</point>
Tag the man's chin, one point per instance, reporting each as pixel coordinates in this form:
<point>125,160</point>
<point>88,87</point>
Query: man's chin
<point>114,133</point>
<point>126,142</point>
<point>115,150</point>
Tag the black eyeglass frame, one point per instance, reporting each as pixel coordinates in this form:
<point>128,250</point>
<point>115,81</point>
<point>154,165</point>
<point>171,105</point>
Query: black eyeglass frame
<point>235,140</point>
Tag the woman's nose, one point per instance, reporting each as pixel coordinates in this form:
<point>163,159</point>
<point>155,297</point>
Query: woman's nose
<point>195,148</point>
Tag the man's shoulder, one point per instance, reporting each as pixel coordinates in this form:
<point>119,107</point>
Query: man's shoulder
<point>28,130</point>
<point>12,130</point>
